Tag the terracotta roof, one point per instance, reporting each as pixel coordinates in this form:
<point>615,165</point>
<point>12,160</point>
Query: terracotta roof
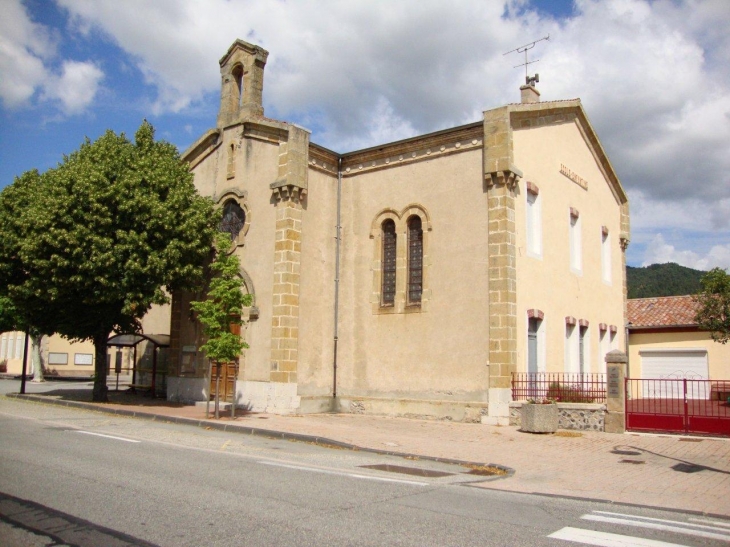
<point>663,311</point>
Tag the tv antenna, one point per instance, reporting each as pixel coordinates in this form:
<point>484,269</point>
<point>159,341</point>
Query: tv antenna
<point>529,80</point>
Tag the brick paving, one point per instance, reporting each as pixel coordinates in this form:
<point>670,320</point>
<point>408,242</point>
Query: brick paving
<point>687,473</point>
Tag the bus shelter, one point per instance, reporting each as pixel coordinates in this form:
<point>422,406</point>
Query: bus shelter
<point>132,340</point>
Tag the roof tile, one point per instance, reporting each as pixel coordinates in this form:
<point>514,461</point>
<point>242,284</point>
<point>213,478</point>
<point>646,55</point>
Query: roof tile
<point>663,311</point>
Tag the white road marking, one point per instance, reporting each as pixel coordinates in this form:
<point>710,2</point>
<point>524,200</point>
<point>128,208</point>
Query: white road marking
<point>604,539</point>
<point>715,522</point>
<point>660,524</point>
<point>343,474</point>
<point>107,436</point>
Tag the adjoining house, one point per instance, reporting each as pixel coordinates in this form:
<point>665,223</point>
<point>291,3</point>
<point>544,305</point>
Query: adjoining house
<point>63,358</point>
<point>665,341</point>
<point>413,277</point>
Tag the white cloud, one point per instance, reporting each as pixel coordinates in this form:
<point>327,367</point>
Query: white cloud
<point>76,87</point>
<point>28,51</point>
<point>658,251</point>
<point>654,76</point>
<point>23,47</point>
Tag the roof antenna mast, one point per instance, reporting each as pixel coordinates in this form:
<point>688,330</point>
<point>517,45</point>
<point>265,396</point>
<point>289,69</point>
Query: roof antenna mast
<point>529,80</point>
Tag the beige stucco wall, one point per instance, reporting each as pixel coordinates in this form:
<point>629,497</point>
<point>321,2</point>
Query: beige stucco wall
<point>439,352</point>
<point>317,286</point>
<point>256,167</point>
<point>718,355</point>
<point>547,283</point>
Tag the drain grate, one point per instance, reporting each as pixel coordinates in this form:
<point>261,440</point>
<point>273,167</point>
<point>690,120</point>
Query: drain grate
<point>407,470</point>
<point>631,461</point>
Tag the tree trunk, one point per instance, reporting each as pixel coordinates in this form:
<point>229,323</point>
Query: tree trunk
<point>100,368</point>
<point>35,353</point>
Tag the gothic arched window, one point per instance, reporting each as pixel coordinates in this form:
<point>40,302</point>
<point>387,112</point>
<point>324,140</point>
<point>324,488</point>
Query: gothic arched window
<point>388,262</point>
<point>233,219</point>
<point>415,260</point>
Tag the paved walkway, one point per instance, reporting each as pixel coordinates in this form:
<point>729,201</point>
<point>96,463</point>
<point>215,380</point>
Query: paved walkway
<point>687,473</point>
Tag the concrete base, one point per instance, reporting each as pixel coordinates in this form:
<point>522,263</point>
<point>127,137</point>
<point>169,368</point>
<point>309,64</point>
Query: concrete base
<point>186,390</point>
<point>313,404</point>
<point>615,422</point>
<point>499,400</point>
<point>272,397</point>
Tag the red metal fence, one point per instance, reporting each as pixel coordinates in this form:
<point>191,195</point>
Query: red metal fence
<point>678,405</point>
<point>564,387</point>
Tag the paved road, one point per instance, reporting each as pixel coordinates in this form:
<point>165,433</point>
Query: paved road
<point>71,477</point>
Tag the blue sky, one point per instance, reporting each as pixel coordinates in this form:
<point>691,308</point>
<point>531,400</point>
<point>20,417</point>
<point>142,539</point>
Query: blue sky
<point>654,78</point>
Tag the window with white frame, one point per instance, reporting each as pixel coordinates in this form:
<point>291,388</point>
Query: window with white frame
<point>84,359</point>
<point>533,216</point>
<point>604,346</point>
<point>584,347</point>
<point>58,358</point>
<point>11,346</point>
<point>613,341</point>
<point>535,341</point>
<point>576,258</point>
<point>605,255</point>
<point>19,346</point>
<point>3,347</point>
<point>572,349</point>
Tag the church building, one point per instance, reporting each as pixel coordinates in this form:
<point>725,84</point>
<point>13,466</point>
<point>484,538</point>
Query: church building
<point>415,277</point>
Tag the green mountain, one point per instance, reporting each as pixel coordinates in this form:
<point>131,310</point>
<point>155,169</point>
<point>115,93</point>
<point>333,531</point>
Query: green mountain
<point>662,280</point>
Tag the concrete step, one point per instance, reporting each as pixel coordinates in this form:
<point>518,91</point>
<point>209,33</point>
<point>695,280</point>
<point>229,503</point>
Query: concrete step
<point>222,405</point>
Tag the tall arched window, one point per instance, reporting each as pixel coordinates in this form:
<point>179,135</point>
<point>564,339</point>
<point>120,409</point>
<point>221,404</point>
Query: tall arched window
<point>388,263</point>
<point>233,219</point>
<point>231,172</point>
<point>415,260</point>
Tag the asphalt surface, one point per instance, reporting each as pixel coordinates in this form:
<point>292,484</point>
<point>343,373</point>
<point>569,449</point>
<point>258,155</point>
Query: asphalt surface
<point>73,477</point>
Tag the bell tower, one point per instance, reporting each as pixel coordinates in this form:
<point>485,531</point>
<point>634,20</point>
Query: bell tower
<point>242,83</point>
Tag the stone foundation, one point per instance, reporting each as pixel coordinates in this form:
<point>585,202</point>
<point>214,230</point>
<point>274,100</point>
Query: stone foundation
<point>186,390</point>
<point>580,416</point>
<point>413,408</point>
<point>272,397</point>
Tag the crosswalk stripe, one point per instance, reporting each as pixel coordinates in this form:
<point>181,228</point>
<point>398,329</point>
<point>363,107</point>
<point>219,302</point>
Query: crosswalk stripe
<point>604,539</point>
<point>681,528</point>
<point>673,522</point>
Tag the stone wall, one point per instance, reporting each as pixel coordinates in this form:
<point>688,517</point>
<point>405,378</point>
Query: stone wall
<point>581,416</point>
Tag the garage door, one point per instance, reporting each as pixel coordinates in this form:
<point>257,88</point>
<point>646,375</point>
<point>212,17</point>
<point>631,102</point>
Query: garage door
<point>690,364</point>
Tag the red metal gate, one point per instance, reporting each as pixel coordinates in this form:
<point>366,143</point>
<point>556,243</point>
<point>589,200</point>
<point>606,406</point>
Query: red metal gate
<point>678,406</point>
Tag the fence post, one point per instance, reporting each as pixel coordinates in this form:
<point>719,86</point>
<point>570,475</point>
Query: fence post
<point>615,419</point>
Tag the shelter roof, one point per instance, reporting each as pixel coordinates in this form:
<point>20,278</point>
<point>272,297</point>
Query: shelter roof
<point>130,340</point>
<point>663,311</point>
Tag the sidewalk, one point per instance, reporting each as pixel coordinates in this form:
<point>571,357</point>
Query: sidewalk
<point>687,473</point>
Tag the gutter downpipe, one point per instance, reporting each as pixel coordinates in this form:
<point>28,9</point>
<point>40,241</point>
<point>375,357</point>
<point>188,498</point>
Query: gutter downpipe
<point>338,238</point>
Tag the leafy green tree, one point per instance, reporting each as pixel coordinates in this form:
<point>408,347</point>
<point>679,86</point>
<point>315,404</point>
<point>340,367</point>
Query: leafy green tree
<point>713,313</point>
<point>222,307</point>
<point>87,248</point>
<point>9,319</point>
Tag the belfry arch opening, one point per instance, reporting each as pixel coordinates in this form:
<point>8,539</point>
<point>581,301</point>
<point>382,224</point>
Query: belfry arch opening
<point>238,83</point>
